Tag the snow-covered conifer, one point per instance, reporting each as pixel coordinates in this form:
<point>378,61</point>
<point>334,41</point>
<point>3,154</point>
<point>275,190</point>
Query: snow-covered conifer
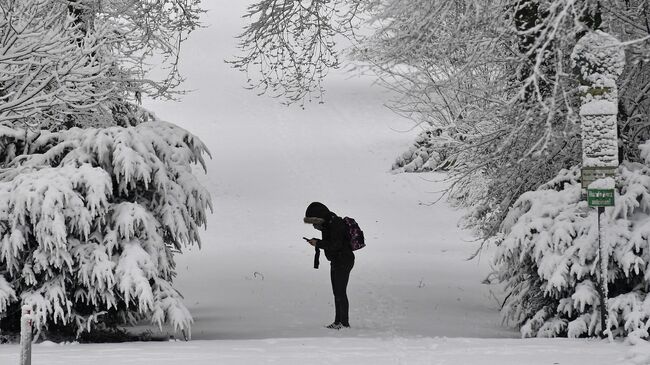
<point>90,221</point>
<point>549,259</point>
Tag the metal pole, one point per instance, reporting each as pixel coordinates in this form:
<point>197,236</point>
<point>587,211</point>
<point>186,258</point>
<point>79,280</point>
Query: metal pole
<point>26,336</point>
<point>603,276</point>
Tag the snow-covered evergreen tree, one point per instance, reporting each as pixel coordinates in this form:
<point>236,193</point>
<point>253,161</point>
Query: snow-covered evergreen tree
<point>90,220</point>
<point>548,256</point>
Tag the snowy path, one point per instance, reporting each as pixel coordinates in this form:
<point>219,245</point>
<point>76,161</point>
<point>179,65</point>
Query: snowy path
<point>340,351</point>
<point>253,278</point>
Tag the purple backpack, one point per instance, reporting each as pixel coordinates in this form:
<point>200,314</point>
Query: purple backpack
<point>356,234</point>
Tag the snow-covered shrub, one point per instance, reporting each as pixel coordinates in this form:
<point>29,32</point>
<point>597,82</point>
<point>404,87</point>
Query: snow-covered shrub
<point>548,257</point>
<point>430,151</point>
<point>90,220</point>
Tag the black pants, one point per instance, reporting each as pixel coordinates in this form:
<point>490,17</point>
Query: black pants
<point>340,274</point>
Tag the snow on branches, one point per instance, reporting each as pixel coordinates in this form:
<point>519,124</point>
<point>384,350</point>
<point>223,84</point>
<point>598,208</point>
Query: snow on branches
<point>48,61</point>
<point>289,46</point>
<point>90,220</point>
<point>548,258</point>
<point>83,62</point>
<point>430,152</point>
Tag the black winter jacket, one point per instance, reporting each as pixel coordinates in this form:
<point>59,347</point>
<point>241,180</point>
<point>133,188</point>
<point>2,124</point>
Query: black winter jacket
<point>336,241</point>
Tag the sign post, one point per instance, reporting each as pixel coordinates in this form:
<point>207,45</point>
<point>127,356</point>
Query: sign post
<point>599,59</point>
<point>600,194</point>
<point>26,335</point>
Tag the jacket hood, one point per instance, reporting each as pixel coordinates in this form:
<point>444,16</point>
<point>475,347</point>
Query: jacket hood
<point>316,211</point>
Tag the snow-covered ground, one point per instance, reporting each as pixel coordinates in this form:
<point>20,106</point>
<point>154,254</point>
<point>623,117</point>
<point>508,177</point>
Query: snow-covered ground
<point>337,350</point>
<point>255,297</point>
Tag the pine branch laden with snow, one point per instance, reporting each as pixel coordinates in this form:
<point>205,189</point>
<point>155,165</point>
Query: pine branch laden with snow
<point>90,221</point>
<point>548,258</point>
<point>430,152</point>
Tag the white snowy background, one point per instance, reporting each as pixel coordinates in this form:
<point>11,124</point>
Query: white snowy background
<point>254,295</point>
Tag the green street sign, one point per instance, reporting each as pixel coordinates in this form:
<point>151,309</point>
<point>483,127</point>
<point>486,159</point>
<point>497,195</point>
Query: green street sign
<point>600,197</point>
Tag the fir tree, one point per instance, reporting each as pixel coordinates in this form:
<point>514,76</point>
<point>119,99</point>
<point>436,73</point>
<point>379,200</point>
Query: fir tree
<point>90,221</point>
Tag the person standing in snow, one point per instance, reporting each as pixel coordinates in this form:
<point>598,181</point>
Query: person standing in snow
<point>336,243</point>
